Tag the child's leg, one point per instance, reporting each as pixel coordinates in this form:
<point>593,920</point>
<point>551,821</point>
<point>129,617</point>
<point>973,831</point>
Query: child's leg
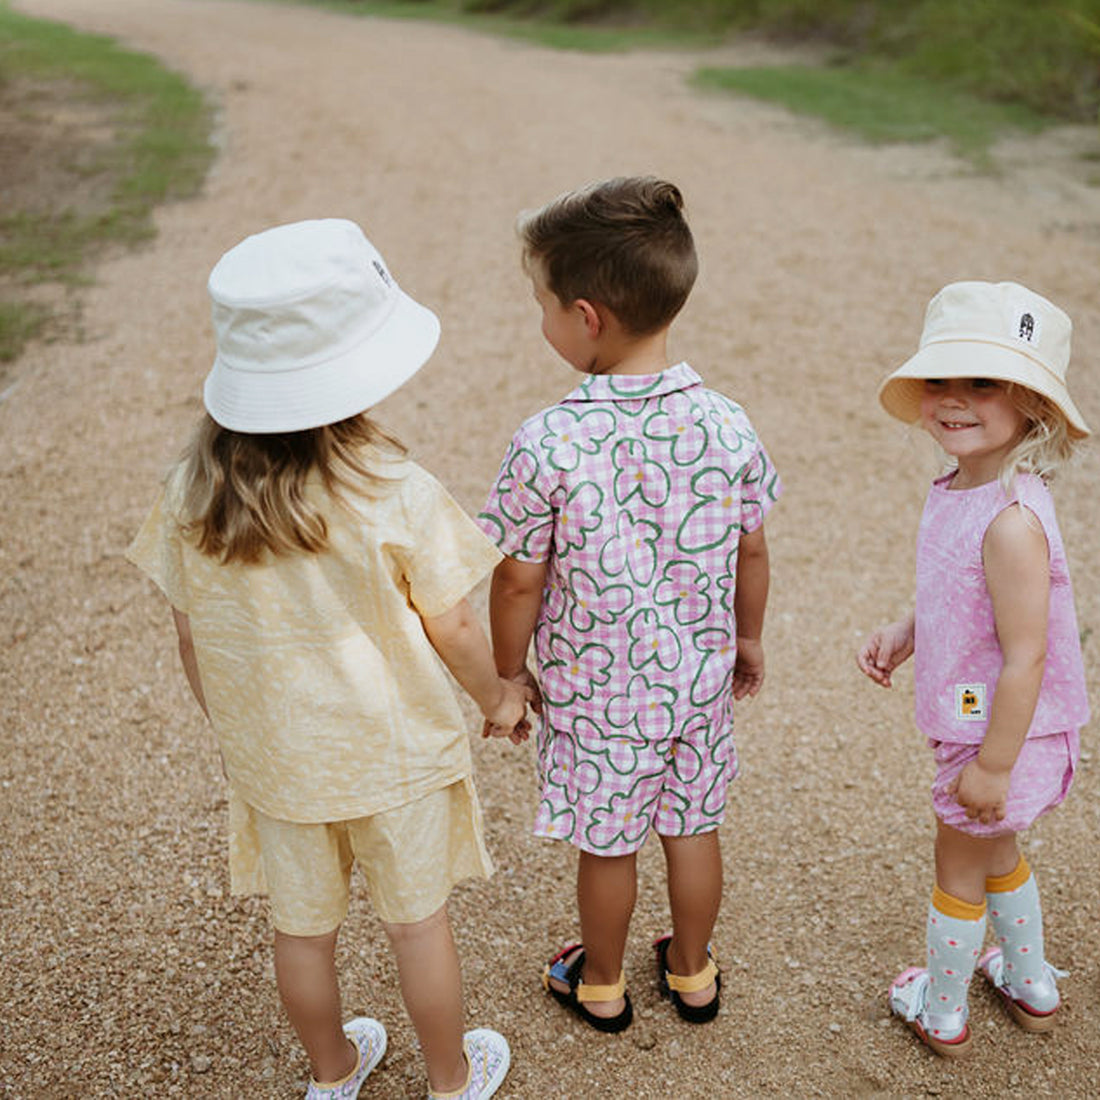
<point>694,896</point>
<point>955,927</point>
<point>1021,971</point>
<point>305,971</point>
<point>964,862</point>
<point>431,985</point>
<point>607,887</point>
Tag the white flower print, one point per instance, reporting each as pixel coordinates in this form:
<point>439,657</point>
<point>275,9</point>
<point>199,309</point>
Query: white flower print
<point>686,436</point>
<point>716,668</point>
<point>574,673</point>
<point>570,434</point>
<point>684,585</point>
<point>729,420</point>
<point>517,496</point>
<point>592,604</point>
<point>645,706</point>
<point>650,641</point>
<point>579,515</point>
<point>717,515</point>
<point>633,547</point>
<point>636,473</point>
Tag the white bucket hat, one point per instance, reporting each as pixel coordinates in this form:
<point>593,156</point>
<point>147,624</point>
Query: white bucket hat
<point>311,328</point>
<point>988,330</point>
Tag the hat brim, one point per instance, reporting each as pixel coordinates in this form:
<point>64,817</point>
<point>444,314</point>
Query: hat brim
<point>900,393</point>
<point>322,393</point>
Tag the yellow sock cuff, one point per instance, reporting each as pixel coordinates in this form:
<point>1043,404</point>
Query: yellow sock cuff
<point>1002,884</point>
<point>955,907</point>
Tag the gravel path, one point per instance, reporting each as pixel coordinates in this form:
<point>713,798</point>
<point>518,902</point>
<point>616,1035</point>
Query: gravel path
<point>126,968</point>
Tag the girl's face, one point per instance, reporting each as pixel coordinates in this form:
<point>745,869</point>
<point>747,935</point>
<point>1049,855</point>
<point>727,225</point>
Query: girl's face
<point>974,421</point>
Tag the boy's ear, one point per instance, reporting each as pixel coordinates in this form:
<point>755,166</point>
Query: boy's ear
<point>593,321</point>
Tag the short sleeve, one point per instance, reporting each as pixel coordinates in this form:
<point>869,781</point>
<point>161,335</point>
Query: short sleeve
<point>518,516</point>
<point>443,553</point>
<point>157,550</point>
<point>760,488</point>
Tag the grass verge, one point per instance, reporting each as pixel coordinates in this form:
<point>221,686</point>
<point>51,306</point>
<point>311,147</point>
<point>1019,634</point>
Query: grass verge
<point>915,75</point>
<point>881,105</point>
<point>554,27</point>
<point>96,137</point>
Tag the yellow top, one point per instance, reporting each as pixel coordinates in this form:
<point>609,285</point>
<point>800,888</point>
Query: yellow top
<point>326,697</point>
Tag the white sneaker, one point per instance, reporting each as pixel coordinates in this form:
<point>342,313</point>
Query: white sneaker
<point>369,1036</point>
<point>489,1058</point>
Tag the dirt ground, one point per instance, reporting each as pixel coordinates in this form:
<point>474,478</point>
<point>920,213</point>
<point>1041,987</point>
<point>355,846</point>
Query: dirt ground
<point>126,967</point>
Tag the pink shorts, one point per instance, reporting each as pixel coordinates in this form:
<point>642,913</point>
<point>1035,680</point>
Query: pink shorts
<point>1040,781</point>
<point>605,793</point>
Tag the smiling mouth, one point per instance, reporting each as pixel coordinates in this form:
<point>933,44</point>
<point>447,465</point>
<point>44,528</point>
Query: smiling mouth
<point>955,425</point>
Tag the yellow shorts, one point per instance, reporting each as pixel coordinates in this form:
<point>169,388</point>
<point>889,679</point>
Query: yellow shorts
<point>411,857</point>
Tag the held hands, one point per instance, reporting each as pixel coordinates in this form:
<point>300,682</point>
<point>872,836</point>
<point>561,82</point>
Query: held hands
<point>748,667</point>
<point>509,718</point>
<point>981,792</point>
<point>888,647</point>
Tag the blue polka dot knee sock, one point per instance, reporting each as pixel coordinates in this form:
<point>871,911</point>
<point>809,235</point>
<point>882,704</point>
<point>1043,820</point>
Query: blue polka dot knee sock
<point>955,932</point>
<point>1017,918</point>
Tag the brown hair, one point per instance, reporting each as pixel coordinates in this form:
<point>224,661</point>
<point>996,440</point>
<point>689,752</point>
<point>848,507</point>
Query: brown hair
<point>623,243</point>
<point>245,494</point>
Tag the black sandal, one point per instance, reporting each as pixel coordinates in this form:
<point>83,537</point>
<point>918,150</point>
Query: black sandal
<point>672,985</point>
<point>579,993</point>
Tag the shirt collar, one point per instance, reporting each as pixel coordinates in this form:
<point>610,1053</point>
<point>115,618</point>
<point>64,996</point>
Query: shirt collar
<point>631,387</point>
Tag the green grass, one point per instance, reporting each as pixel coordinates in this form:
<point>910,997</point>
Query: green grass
<point>906,70</point>
<point>19,322</point>
<point>159,150</point>
<point>880,105</point>
<point>1035,52</point>
<point>559,26</point>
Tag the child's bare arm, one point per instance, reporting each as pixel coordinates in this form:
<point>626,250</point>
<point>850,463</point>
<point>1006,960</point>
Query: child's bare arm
<point>457,637</point>
<point>1017,574</point>
<point>187,656</point>
<point>750,600</point>
<point>514,601</point>
<point>887,647</point>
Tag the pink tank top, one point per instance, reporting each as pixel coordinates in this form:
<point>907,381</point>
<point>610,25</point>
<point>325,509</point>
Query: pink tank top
<point>957,658</point>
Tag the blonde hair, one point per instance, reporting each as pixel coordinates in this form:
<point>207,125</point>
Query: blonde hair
<point>1046,444</point>
<point>246,494</point>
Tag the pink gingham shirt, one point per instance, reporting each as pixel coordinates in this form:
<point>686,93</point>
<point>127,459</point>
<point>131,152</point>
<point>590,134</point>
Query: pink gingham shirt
<point>635,489</point>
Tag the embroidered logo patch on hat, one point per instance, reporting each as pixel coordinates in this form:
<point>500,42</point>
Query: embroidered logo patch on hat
<point>1023,320</point>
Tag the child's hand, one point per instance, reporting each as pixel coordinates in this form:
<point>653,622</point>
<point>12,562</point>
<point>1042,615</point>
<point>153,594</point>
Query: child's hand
<point>981,792</point>
<point>748,667</point>
<point>508,718</point>
<point>526,680</point>
<point>887,648</point>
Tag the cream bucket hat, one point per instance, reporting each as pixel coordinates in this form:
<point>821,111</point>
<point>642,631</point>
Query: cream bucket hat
<point>988,330</point>
<point>311,328</point>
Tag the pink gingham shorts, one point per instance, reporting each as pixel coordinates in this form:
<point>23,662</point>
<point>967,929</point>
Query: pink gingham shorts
<point>1040,781</point>
<point>604,794</point>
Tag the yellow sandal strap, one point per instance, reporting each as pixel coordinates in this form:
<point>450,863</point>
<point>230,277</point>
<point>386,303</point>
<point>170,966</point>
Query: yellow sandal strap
<point>602,992</point>
<point>696,982</point>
